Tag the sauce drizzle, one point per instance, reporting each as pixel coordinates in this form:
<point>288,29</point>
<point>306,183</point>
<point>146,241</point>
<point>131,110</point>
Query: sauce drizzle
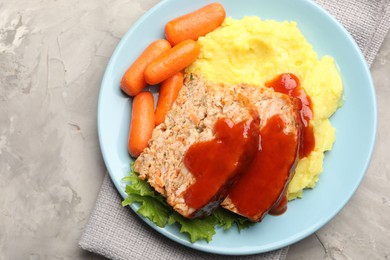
<point>253,166</point>
<point>288,83</point>
<point>262,185</point>
<point>280,207</point>
<point>215,163</point>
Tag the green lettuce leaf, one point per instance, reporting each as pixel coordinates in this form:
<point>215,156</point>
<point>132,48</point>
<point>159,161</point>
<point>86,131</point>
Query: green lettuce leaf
<point>154,207</point>
<point>226,219</point>
<point>152,204</point>
<point>197,229</point>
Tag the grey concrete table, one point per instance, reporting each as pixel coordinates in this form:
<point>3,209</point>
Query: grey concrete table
<point>52,58</point>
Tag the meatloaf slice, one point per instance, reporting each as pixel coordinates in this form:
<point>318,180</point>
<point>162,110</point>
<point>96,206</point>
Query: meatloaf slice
<point>263,185</point>
<point>191,120</point>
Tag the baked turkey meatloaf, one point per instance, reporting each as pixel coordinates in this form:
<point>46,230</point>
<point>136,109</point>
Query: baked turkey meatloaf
<point>198,107</point>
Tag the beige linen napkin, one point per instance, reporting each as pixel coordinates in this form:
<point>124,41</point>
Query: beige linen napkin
<point>118,233</point>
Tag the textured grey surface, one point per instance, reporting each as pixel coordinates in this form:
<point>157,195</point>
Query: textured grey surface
<point>52,57</point>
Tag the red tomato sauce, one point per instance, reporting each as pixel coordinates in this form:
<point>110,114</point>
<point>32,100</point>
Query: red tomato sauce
<point>253,166</point>
<point>263,184</point>
<point>215,163</point>
<point>289,84</point>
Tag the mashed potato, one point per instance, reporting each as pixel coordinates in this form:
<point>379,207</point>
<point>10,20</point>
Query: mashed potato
<point>254,51</point>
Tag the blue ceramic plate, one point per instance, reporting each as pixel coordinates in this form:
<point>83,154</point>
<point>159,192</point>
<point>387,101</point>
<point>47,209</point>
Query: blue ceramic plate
<point>344,166</point>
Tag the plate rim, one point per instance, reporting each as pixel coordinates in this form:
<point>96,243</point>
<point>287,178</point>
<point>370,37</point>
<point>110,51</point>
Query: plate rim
<point>249,251</point>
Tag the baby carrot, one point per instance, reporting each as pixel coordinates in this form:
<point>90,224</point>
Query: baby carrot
<point>133,80</point>
<point>142,123</point>
<point>171,61</point>
<point>168,93</point>
<point>195,24</point>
